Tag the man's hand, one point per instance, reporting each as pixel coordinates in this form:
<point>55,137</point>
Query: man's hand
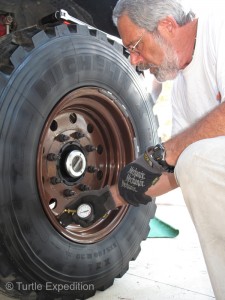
<point>136,178</point>
<point>88,207</point>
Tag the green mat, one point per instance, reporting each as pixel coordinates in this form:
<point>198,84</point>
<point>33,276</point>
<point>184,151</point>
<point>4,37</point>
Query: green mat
<point>159,229</point>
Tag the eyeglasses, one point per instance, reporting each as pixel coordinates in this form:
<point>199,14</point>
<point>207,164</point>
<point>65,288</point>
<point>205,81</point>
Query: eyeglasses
<point>133,49</point>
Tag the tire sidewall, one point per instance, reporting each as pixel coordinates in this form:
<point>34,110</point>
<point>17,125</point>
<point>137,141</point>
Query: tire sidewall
<point>48,73</point>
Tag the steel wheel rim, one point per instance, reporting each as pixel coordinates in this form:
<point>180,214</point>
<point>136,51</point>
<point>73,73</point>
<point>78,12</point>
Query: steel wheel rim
<point>85,142</point>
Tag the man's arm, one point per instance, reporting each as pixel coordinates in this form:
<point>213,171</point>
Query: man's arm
<point>211,125</point>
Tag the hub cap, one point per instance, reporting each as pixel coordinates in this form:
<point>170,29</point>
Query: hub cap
<point>75,163</point>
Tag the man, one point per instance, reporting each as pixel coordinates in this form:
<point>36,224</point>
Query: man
<point>167,39</point>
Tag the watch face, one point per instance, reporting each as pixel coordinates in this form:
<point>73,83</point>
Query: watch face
<point>158,153</point>
<point>84,211</point>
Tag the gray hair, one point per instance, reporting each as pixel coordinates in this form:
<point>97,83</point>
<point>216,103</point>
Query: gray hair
<point>147,13</point>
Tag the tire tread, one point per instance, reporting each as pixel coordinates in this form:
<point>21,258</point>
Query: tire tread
<point>14,48</point>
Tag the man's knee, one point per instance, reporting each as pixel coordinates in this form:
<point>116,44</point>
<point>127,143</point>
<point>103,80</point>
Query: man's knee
<point>185,162</point>
<point>198,157</point>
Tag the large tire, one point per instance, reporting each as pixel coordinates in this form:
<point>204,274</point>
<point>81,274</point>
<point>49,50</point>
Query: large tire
<point>59,83</point>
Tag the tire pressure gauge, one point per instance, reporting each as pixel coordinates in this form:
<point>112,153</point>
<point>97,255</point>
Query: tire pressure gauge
<point>84,211</point>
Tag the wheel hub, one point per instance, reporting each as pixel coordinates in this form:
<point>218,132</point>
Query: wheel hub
<point>75,164</point>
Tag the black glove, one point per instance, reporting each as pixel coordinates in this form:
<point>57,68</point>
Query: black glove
<point>136,177</point>
<point>97,203</point>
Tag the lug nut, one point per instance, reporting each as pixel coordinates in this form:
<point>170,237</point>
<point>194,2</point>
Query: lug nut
<point>55,180</point>
<point>78,135</point>
<point>63,138</point>
<point>91,169</point>
<point>84,187</point>
<point>52,157</point>
<point>68,193</point>
<point>90,148</point>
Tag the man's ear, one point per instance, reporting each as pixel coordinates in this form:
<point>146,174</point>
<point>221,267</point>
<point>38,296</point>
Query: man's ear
<point>167,27</point>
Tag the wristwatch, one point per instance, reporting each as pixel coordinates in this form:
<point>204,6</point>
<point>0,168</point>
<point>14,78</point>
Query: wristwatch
<point>159,154</point>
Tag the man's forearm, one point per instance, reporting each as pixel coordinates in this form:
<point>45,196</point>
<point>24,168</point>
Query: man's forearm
<point>165,184</point>
<point>211,125</point>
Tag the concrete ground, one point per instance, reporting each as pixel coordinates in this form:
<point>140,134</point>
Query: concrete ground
<point>166,268</point>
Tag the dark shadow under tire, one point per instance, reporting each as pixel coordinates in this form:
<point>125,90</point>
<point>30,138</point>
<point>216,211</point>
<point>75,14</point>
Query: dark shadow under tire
<point>60,81</point>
